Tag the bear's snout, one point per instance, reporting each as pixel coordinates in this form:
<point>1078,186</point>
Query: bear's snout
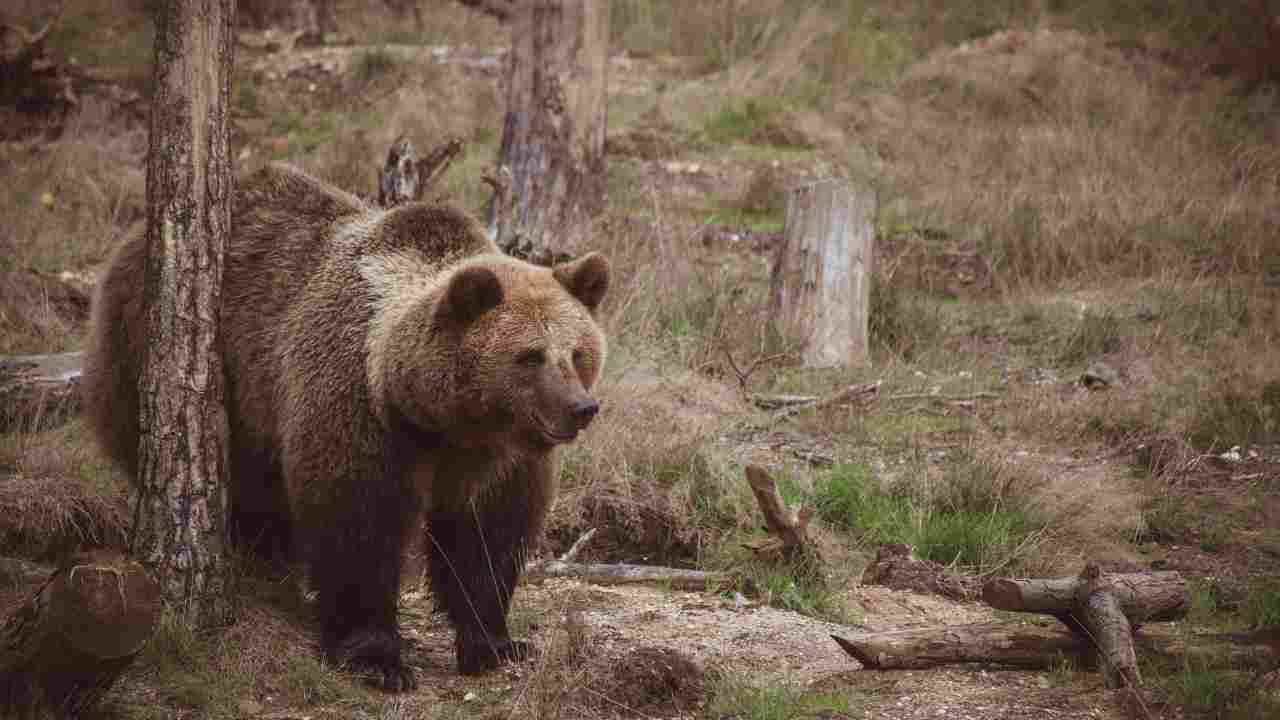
<point>584,411</point>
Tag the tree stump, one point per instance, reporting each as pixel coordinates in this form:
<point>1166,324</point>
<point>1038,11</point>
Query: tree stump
<point>38,392</point>
<point>553,131</point>
<point>787,529</point>
<point>1103,609</point>
<point>406,178</point>
<point>821,284</point>
<point>63,648</point>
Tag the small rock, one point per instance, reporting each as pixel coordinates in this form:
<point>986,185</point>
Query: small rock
<point>1099,376</point>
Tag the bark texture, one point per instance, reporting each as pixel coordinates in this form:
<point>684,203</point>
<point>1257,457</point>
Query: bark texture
<point>821,282</point>
<point>180,528</point>
<point>1102,609</point>
<point>553,131</point>
<point>998,643</point>
<point>63,648</point>
<point>788,530</point>
<point>1038,647</point>
<point>623,574</point>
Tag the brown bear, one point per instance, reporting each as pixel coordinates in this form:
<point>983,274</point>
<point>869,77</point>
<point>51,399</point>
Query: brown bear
<point>381,367</point>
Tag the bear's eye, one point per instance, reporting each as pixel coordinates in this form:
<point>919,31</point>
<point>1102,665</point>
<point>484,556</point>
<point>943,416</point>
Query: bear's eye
<point>531,358</point>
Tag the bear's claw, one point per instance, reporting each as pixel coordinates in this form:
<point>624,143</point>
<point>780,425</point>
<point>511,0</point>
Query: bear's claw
<point>380,651</point>
<point>476,657</point>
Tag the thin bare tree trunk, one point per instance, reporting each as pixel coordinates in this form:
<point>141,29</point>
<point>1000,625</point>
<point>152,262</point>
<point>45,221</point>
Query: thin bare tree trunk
<point>553,132</point>
<point>180,523</point>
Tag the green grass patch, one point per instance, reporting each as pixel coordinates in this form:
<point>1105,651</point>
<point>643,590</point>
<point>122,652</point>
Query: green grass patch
<point>972,516</point>
<point>752,121</point>
<point>194,672</point>
<point>738,696</point>
<point>1261,608</point>
<point>373,64</point>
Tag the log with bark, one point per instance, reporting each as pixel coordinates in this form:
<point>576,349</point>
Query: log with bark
<point>625,574</point>
<point>38,392</point>
<point>1103,608</point>
<point>621,574</point>
<point>62,649</point>
<point>1038,647</point>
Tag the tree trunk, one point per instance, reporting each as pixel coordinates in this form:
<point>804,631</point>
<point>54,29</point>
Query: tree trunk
<point>821,283</point>
<point>63,648</point>
<point>553,131</point>
<point>38,392</point>
<point>180,528</point>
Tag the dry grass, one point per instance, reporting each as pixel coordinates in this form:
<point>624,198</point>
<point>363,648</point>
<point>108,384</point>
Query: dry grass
<point>68,203</point>
<point>1064,160</point>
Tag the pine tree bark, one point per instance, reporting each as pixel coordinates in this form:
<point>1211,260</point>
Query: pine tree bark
<point>179,531</point>
<point>554,128</point>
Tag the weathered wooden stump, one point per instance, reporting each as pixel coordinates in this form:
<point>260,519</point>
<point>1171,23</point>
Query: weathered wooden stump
<point>63,648</point>
<point>787,530</point>
<point>821,284</point>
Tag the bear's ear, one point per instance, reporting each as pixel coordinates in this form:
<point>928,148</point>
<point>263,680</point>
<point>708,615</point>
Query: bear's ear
<point>472,291</point>
<point>586,278</point>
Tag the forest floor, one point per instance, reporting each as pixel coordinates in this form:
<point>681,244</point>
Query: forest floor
<point>984,449</point>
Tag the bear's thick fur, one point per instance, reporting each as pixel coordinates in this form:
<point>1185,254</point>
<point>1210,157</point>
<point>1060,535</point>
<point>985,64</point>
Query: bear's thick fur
<point>380,365</point>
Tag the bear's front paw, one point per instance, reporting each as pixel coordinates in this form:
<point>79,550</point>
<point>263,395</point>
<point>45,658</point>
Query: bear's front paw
<point>478,656</point>
<point>378,650</point>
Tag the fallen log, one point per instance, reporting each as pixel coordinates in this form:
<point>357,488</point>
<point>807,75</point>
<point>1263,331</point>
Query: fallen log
<point>624,574</point>
<point>1037,647</point>
<point>65,646</point>
<point>1024,646</point>
<point>1143,597</point>
<point>1103,609</point>
<point>38,392</point>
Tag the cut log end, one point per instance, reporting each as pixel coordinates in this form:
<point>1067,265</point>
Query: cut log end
<point>63,648</point>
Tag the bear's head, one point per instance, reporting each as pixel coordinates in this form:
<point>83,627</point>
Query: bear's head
<point>500,352</point>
